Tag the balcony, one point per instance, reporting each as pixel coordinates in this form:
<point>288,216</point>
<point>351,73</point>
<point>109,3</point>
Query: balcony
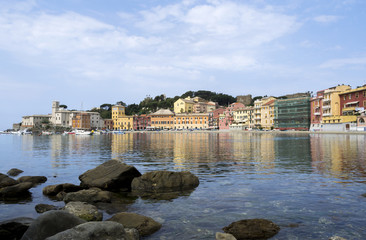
<point>326,107</point>
<point>326,100</point>
<point>317,114</point>
<point>327,114</point>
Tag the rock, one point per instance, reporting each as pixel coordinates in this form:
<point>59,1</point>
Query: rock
<point>14,172</point>
<point>14,228</point>
<point>224,236</point>
<point>92,195</point>
<point>85,211</point>
<point>41,208</point>
<point>252,229</point>
<point>6,181</point>
<point>51,223</point>
<point>53,190</point>
<point>32,179</point>
<point>144,225</point>
<point>164,181</point>
<point>60,196</point>
<point>93,231</point>
<point>132,234</point>
<point>112,175</point>
<point>17,190</point>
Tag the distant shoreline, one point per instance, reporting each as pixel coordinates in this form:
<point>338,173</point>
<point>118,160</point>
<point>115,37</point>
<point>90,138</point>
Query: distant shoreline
<point>259,132</point>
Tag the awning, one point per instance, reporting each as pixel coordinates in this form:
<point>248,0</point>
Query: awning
<point>351,103</point>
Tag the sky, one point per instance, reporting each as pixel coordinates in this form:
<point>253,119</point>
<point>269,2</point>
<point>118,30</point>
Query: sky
<point>85,53</point>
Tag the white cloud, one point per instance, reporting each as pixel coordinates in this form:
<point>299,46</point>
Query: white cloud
<point>344,62</point>
<point>326,19</point>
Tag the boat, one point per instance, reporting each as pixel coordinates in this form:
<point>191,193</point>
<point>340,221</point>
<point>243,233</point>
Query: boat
<point>46,133</point>
<point>83,132</point>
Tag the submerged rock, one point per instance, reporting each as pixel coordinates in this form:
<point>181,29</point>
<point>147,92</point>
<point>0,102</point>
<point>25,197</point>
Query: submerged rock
<point>252,229</point>
<point>112,175</point>
<point>92,195</point>
<point>18,190</point>
<point>14,172</point>
<point>85,211</point>
<point>224,236</point>
<point>144,225</point>
<point>32,179</point>
<point>94,231</point>
<point>51,223</point>
<point>53,190</point>
<point>14,228</point>
<point>41,208</point>
<point>6,181</point>
<point>164,181</point>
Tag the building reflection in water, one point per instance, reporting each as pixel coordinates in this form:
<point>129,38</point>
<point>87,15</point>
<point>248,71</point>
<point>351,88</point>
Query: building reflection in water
<point>339,155</point>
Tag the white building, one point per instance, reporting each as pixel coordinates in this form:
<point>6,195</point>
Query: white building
<point>35,121</point>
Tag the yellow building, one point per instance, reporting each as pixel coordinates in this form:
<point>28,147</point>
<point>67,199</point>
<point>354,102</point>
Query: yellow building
<point>258,110</point>
<point>245,117</point>
<point>193,105</point>
<point>120,120</point>
<point>267,114</point>
<point>183,105</point>
<point>162,119</point>
<point>191,121</point>
<point>331,104</point>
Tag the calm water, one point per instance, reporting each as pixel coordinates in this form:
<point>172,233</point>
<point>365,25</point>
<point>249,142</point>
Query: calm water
<point>309,184</point>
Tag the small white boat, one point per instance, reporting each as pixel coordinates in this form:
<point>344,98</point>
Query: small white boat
<point>83,132</point>
<point>46,133</point>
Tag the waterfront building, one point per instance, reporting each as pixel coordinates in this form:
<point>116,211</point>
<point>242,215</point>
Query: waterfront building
<point>141,122</point>
<point>243,118</point>
<point>124,123</point>
<point>213,118</point>
<point>191,121</point>
<point>194,105</point>
<point>292,114</point>
<point>35,121</point>
<point>108,124</point>
<point>331,104</point>
<point>118,111</point>
<point>81,120</point>
<point>361,122</point>
<point>162,119</point>
<point>267,113</point>
<point>316,111</point>
<point>227,117</point>
<point>257,113</point>
<point>60,116</point>
<point>244,99</point>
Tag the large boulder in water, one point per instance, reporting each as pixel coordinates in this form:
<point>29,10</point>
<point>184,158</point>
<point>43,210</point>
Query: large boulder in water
<point>164,181</point>
<point>53,190</point>
<point>33,179</point>
<point>112,175</point>
<point>14,172</point>
<point>6,181</point>
<point>17,190</point>
<point>85,211</point>
<point>51,223</point>
<point>94,231</point>
<point>252,229</point>
<point>14,228</point>
<point>92,195</point>
<point>144,225</point>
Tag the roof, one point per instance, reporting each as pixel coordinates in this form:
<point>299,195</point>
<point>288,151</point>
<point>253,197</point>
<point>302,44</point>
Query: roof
<point>163,112</point>
<point>269,102</point>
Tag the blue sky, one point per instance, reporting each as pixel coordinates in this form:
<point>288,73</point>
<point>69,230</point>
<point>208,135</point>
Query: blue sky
<point>86,53</point>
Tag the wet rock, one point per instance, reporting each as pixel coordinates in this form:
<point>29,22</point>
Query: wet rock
<point>32,179</point>
<point>18,190</point>
<point>60,196</point>
<point>224,236</point>
<point>92,195</point>
<point>94,231</point>
<point>164,181</point>
<point>112,175</point>
<point>51,223</point>
<point>14,228</point>
<point>132,234</point>
<point>252,229</point>
<point>85,211</point>
<point>14,172</point>
<point>6,181</point>
<point>41,208</point>
<point>144,225</point>
<point>53,190</point>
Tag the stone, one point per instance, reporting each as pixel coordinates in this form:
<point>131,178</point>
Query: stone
<point>18,190</point>
<point>165,181</point>
<point>252,229</point>
<point>112,175</point>
<point>224,236</point>
<point>94,231</point>
<point>92,195</point>
<point>144,225</point>
<point>132,234</point>
<point>14,172</point>
<point>85,211</point>
<point>14,228</point>
<point>53,190</point>
<point>41,208</point>
<point>32,179</point>
<point>6,181</point>
<point>51,223</point>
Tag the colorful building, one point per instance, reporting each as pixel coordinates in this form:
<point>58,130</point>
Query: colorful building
<point>191,121</point>
<point>141,122</point>
<point>162,119</point>
<point>316,111</point>
<point>331,104</point>
<point>227,117</point>
<point>35,121</point>
<point>193,105</point>
<point>267,114</point>
<point>292,114</point>
<point>213,118</point>
<point>353,101</point>
<point>81,121</point>
<point>243,119</point>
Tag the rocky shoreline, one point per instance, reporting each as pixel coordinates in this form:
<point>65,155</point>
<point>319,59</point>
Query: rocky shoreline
<point>107,188</point>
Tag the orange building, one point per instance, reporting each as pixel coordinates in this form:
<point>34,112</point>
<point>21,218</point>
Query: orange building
<point>162,119</point>
<point>81,121</point>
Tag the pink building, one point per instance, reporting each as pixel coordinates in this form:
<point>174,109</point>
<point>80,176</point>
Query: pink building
<point>213,118</point>
<point>227,117</point>
<point>141,122</point>
<point>316,112</point>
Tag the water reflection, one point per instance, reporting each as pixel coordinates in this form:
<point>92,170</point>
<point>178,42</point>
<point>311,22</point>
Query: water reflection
<point>339,155</point>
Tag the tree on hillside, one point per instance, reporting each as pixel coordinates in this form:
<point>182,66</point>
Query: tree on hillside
<point>63,106</point>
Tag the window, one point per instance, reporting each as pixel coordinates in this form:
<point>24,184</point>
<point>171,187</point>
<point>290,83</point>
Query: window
<point>356,94</point>
<point>350,96</point>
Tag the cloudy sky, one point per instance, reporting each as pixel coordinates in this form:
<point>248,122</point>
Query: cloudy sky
<point>88,52</point>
